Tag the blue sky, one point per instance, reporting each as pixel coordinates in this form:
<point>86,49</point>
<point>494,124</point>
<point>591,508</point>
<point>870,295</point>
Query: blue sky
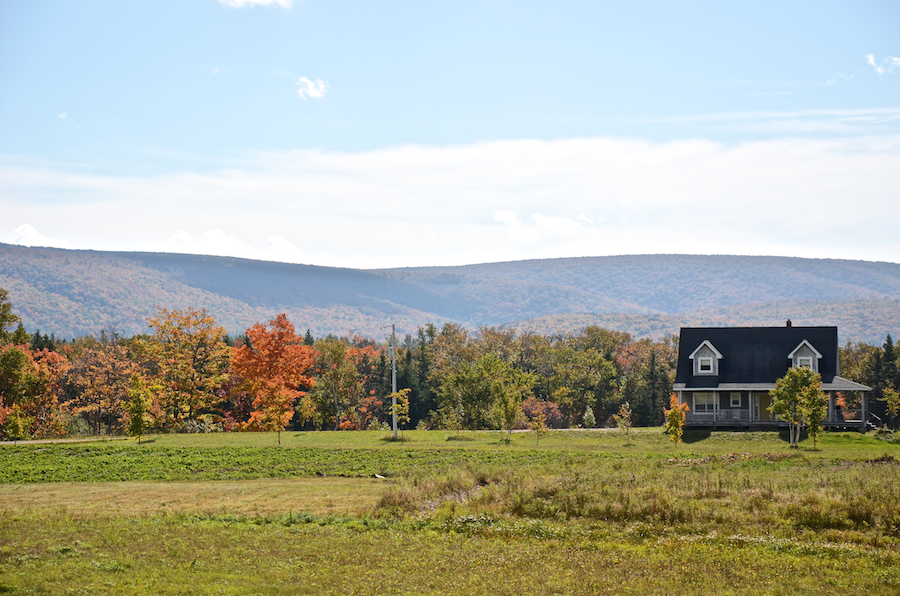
<point>369,134</point>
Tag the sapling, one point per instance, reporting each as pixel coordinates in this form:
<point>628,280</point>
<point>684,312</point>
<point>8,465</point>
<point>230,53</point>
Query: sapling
<point>589,420</point>
<point>623,419</point>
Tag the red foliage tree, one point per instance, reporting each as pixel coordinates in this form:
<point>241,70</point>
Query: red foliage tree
<point>275,368</point>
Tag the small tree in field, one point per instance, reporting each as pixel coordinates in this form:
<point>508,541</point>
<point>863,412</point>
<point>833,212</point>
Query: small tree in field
<point>137,407</point>
<point>675,416</point>
<point>623,419</point>
<point>590,421</point>
<point>798,390</point>
<point>538,426</point>
<point>814,406</point>
<point>400,407</point>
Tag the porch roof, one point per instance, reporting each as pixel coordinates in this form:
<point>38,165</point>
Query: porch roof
<point>836,384</point>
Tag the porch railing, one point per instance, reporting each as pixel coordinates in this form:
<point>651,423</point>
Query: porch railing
<point>720,416</point>
<point>847,415</point>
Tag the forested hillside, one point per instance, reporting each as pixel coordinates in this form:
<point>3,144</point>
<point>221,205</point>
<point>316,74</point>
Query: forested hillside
<point>70,292</point>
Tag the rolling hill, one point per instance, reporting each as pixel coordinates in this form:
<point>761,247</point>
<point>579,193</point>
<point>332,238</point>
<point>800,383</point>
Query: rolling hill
<point>73,292</point>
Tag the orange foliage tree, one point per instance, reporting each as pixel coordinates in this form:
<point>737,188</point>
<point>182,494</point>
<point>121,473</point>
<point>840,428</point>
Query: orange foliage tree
<point>101,375</point>
<point>275,369</point>
<point>31,381</point>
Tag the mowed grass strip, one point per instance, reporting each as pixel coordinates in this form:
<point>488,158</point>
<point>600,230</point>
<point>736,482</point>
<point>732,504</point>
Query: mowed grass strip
<point>117,462</point>
<point>321,496</point>
<point>238,456</point>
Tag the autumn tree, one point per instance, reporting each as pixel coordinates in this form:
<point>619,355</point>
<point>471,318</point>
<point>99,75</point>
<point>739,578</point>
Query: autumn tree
<point>675,416</point>
<point>100,378</point>
<point>275,366</point>
<point>400,406</point>
<point>15,424</point>
<point>188,348</point>
<point>32,381</point>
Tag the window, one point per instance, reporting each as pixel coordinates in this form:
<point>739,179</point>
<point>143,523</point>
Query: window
<point>704,402</point>
<point>804,361</point>
<point>736,399</point>
<point>705,365</point>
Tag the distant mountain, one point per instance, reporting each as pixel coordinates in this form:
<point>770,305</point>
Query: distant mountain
<point>857,320</point>
<point>72,292</point>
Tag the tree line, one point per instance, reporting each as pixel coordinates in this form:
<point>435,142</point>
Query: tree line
<point>187,375</point>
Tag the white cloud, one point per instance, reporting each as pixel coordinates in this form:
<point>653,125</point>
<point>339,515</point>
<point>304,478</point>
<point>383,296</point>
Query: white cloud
<point>244,3</point>
<point>315,89</point>
<point>510,218</point>
<point>61,115</point>
<point>26,235</point>
<point>503,200</point>
<point>216,71</point>
<point>557,225</point>
<point>887,65</point>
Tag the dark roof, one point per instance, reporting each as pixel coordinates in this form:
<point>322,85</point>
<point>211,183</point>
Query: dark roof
<point>754,354</point>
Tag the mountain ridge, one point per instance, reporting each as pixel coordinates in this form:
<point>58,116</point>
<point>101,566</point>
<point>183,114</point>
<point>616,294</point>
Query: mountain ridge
<point>73,292</point>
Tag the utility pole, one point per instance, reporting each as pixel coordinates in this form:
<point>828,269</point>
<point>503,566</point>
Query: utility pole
<point>394,378</point>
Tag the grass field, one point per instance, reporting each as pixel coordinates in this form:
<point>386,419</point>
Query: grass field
<point>578,512</point>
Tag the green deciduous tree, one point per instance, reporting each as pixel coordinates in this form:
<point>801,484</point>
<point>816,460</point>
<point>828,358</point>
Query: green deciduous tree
<point>137,406</point>
<point>336,382</point>
<point>814,406</point>
<point>795,394</point>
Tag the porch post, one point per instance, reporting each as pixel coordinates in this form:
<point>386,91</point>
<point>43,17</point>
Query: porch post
<point>864,403</point>
<point>831,401</point>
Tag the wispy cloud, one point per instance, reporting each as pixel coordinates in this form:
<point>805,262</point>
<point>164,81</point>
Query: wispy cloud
<point>887,65</point>
<point>482,202</point>
<point>308,88</point>
<point>245,3</point>
<point>61,115</point>
<point>838,79</point>
<point>855,122</point>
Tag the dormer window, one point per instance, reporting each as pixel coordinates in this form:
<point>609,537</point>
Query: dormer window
<point>805,355</point>
<point>706,359</point>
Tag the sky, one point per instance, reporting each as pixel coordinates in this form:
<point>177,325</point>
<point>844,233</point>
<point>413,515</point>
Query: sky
<point>388,134</point>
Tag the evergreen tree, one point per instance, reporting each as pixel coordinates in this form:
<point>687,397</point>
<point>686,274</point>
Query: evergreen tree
<point>7,318</point>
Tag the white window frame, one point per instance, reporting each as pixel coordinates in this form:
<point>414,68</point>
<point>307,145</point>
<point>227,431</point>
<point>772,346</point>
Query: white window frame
<point>709,402</point>
<point>806,361</point>
<point>735,399</point>
<point>708,361</point>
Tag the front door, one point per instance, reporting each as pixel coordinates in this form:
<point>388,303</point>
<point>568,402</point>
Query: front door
<point>762,406</point>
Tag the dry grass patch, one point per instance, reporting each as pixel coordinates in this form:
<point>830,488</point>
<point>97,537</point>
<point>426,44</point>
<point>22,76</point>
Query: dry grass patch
<point>246,497</point>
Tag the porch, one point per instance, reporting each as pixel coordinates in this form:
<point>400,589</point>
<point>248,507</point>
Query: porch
<point>750,409</point>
